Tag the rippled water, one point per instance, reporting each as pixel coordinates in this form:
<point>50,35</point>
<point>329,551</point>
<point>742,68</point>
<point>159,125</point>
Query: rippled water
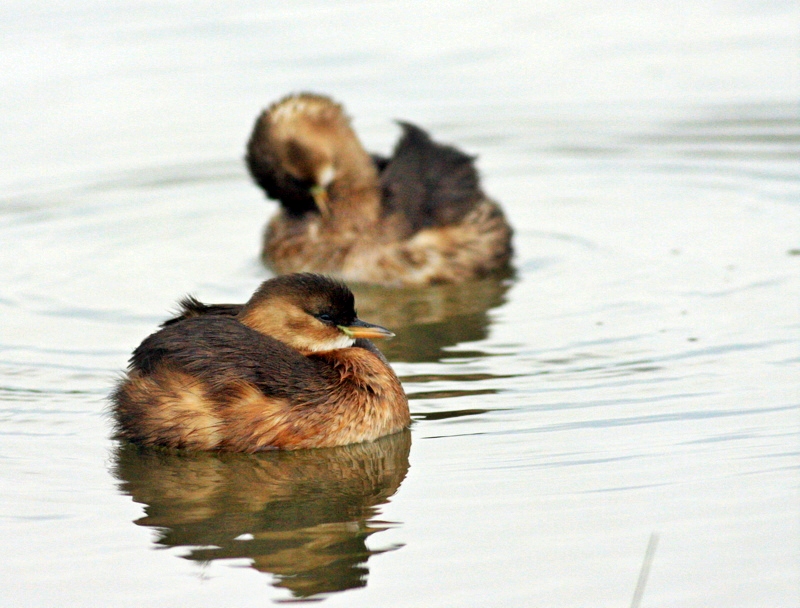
<point>636,375</point>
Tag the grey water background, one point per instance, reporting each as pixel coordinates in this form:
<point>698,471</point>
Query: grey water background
<point>638,374</point>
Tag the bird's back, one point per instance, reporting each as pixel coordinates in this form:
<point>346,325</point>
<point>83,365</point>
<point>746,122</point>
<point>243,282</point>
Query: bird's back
<point>217,349</point>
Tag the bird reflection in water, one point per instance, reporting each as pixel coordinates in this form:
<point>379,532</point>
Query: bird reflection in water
<point>304,515</point>
<point>429,320</point>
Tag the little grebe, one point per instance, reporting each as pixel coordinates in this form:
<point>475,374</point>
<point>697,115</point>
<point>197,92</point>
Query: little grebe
<point>417,218</point>
<point>292,368</point>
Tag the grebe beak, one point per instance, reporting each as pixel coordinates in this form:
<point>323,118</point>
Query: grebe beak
<point>361,329</point>
<point>320,195</point>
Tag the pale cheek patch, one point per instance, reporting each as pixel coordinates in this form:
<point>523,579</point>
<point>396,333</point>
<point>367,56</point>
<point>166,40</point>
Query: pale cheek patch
<point>326,176</point>
<point>332,344</point>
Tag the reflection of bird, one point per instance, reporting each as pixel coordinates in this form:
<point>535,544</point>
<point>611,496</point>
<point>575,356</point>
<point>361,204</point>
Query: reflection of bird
<point>430,320</point>
<point>304,516</point>
<point>417,218</point>
<point>291,368</point>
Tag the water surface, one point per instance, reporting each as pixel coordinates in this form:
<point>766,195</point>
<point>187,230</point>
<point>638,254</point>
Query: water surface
<point>636,374</point>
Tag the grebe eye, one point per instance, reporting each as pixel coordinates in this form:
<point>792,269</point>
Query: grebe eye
<point>325,318</point>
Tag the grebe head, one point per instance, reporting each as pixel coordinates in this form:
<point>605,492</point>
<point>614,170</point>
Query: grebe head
<point>305,142</point>
<point>309,312</point>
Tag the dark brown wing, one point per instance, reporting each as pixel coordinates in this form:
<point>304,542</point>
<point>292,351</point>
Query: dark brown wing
<point>219,350</point>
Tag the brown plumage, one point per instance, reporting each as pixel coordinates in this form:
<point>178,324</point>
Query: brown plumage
<point>417,218</point>
<point>292,368</point>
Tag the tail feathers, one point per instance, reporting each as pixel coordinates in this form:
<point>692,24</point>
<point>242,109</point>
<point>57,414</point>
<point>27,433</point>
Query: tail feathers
<point>429,183</point>
<point>192,307</point>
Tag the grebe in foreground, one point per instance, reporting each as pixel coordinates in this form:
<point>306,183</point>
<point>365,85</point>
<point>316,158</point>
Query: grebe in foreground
<point>292,368</point>
<point>417,218</point>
